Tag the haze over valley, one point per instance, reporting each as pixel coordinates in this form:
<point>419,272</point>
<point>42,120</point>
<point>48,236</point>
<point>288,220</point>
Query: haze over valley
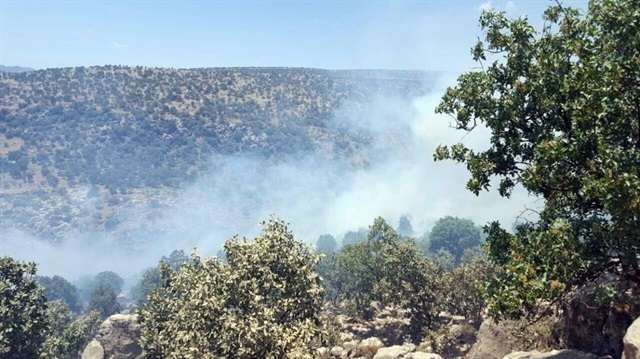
<point>103,163</point>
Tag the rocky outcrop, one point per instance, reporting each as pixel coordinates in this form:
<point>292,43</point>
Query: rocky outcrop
<point>117,339</point>
<point>493,342</point>
<point>598,325</point>
<point>394,352</point>
<point>373,348</point>
<point>388,324</point>
<point>631,341</point>
<point>554,354</point>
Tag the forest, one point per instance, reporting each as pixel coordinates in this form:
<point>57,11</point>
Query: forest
<point>562,108</point>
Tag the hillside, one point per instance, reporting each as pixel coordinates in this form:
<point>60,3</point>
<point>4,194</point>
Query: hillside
<point>4,68</point>
<point>109,136</point>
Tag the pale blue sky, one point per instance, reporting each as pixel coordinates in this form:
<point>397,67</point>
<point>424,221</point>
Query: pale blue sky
<point>431,35</point>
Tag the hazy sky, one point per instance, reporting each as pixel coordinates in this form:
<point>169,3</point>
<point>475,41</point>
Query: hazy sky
<point>432,35</point>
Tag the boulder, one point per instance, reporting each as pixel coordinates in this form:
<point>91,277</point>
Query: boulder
<point>337,351</point>
<point>554,354</point>
<point>117,338</point>
<point>598,326</point>
<point>422,355</point>
<point>93,350</point>
<point>492,342</point>
<point>350,345</point>
<point>369,347</point>
<point>394,352</point>
<point>321,353</point>
<point>631,341</point>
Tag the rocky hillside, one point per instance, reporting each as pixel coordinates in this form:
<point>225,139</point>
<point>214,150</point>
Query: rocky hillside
<point>109,136</point>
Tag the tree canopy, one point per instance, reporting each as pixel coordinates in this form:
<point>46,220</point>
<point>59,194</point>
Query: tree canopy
<point>563,108</point>
<point>263,303</point>
<point>454,235</point>
<point>326,244</point>
<point>58,288</point>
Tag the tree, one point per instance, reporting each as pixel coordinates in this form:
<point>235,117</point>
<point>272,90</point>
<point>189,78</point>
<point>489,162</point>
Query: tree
<point>405,229</point>
<point>391,270</point>
<point>109,278</point>
<point>152,278</point>
<point>22,310</point>
<point>414,283</point>
<point>351,237</point>
<point>326,244</point>
<point>176,259</point>
<point>360,267</point>
<point>58,288</point>
<point>263,303</point>
<point>563,108</point>
<point>454,235</point>
<point>104,300</point>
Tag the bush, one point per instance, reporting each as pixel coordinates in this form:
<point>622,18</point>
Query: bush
<point>264,303</point>
<point>58,288</point>
<point>22,310</point>
<point>108,278</point>
<point>152,278</point>
<point>67,339</point>
<point>104,301</point>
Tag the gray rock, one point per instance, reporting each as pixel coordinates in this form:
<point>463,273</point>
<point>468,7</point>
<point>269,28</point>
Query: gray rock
<point>493,342</point>
<point>422,355</point>
<point>369,347</point>
<point>554,354</point>
<point>458,319</point>
<point>93,350</point>
<point>631,341</point>
<point>322,352</point>
<point>337,351</point>
<point>394,352</point>
<point>600,328</point>
<point>372,342</point>
<point>350,345</point>
<point>118,337</point>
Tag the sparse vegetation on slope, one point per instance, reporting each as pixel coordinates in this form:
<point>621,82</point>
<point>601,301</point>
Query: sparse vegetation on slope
<point>114,135</point>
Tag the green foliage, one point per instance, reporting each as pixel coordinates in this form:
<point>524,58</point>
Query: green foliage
<point>152,278</point>
<point>22,310</point>
<point>109,278</point>
<point>562,107</point>
<point>104,301</point>
<point>414,283</point>
<point>405,229</point>
<point>326,244</point>
<point>176,259</point>
<point>454,235</point>
<point>351,237</point>
<point>327,269</point>
<point>263,303</point>
<point>391,270</point>
<point>58,288</point>
<point>67,339</point>
<point>359,267</point>
<point>464,285</point>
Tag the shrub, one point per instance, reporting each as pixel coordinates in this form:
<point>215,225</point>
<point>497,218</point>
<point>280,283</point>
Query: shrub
<point>264,303</point>
<point>22,310</point>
